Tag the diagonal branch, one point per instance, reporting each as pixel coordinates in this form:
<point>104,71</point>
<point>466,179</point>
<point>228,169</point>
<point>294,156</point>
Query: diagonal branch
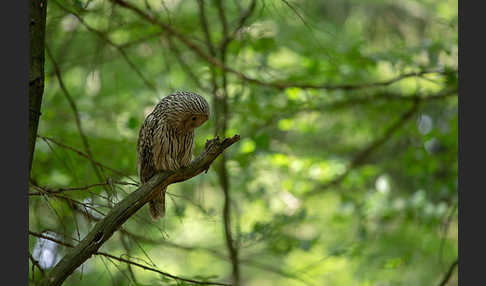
<point>119,48</point>
<point>40,235</point>
<point>184,65</point>
<point>70,99</point>
<point>158,271</point>
<point>104,229</point>
<point>82,154</point>
<point>364,154</point>
<point>217,254</point>
<point>36,264</point>
<point>241,22</point>
<point>449,272</point>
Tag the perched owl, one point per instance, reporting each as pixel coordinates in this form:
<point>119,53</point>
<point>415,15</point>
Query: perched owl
<point>166,139</point>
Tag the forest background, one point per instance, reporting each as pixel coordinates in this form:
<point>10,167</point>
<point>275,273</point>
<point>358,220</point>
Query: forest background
<point>346,171</point>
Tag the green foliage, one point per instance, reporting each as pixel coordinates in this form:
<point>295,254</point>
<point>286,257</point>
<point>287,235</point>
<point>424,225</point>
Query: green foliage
<point>390,219</point>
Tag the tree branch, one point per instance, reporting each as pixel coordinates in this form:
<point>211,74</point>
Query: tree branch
<point>278,85</point>
<point>364,154</point>
<point>82,154</point>
<point>40,235</point>
<point>212,52</point>
<point>241,22</point>
<point>160,272</point>
<point>46,190</point>
<point>37,29</point>
<point>119,48</point>
<point>84,139</point>
<point>215,253</point>
<point>36,264</point>
<point>223,171</point>
<point>104,229</point>
<point>449,272</point>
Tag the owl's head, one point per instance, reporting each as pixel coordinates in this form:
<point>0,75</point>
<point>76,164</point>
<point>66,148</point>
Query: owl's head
<point>187,110</point>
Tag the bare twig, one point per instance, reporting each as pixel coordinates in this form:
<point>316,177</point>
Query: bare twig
<point>215,253</point>
<point>127,250</point>
<point>224,24</point>
<point>222,170</point>
<point>352,102</point>
<point>119,48</point>
<point>105,228</point>
<point>60,190</point>
<point>204,24</point>
<point>82,154</point>
<point>278,85</point>
<point>241,22</point>
<point>212,52</point>
<point>40,235</point>
<point>449,272</point>
<point>73,201</point>
<point>36,264</point>
<point>141,40</point>
<point>445,229</point>
<point>160,272</point>
<point>43,236</point>
<point>182,62</point>
<point>84,139</point>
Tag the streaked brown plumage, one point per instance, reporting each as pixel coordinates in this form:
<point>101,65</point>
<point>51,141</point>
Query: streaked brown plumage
<point>166,139</point>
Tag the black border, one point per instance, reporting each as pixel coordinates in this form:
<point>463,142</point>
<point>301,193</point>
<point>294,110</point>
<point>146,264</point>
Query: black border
<point>14,135</point>
<point>471,144</point>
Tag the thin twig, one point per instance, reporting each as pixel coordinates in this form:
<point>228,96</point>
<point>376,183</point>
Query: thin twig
<point>81,153</point>
<point>119,48</point>
<point>278,85</point>
<point>449,272</point>
<point>241,22</point>
<point>204,24</point>
<point>363,155</point>
<point>212,52</point>
<point>214,253</point>
<point>61,190</point>
<point>127,207</point>
<point>222,170</point>
<point>445,229</point>
<point>348,103</point>
<point>186,67</point>
<point>40,235</point>
<point>127,250</point>
<point>36,264</point>
<point>160,272</point>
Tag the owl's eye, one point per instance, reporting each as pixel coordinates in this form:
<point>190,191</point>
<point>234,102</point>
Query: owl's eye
<point>194,118</point>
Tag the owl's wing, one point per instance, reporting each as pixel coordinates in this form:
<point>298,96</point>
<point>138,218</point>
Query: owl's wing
<point>165,150</point>
<point>145,156</point>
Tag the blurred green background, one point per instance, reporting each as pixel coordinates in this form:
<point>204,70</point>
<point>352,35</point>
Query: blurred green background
<point>346,173</point>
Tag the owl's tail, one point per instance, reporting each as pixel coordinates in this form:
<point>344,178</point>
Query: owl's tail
<point>157,205</point>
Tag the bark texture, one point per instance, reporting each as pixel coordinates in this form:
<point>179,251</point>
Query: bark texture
<point>37,29</point>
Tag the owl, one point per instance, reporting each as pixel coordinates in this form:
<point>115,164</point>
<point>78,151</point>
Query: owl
<point>166,139</point>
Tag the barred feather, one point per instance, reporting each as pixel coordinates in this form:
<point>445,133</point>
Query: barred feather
<point>166,139</point>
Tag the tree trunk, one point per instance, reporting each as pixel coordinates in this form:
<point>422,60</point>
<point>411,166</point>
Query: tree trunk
<point>37,28</point>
